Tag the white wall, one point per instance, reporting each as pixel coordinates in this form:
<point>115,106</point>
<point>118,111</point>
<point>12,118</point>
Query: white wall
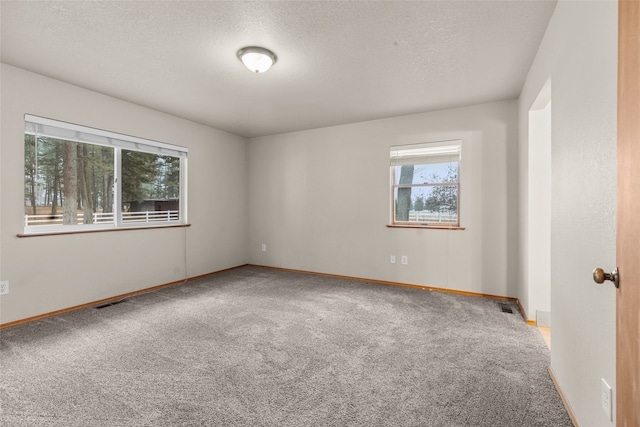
<point>55,272</point>
<point>320,200</point>
<point>539,193</point>
<point>579,53</point>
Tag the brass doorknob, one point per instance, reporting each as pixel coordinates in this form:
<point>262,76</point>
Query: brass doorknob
<point>599,276</point>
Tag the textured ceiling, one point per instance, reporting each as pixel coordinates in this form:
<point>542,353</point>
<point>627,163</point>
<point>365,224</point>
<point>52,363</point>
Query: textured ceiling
<point>338,62</point>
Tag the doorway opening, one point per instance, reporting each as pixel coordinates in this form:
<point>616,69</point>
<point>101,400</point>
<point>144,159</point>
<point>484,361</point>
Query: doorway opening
<point>539,210</point>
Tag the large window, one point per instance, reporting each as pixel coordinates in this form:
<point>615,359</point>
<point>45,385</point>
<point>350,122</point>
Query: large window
<point>80,178</point>
<point>425,184</point>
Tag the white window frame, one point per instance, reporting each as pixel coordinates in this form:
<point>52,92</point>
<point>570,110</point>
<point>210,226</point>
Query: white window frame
<point>36,125</point>
<point>420,154</point>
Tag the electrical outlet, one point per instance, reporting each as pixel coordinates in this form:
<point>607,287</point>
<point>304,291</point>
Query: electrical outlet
<point>606,399</point>
<point>392,259</point>
<point>405,260</point>
<point>4,287</point>
<point>264,247</point>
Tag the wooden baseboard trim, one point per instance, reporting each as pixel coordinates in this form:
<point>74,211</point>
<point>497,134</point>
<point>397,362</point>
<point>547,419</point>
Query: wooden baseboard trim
<point>565,402</point>
<point>524,315</point>
<point>385,282</point>
<point>360,279</point>
<point>111,299</point>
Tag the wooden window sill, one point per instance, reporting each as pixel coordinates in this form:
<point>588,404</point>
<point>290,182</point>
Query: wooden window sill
<point>427,226</point>
<point>101,230</point>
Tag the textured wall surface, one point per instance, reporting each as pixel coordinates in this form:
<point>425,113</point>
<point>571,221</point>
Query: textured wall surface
<point>579,53</point>
<point>55,272</point>
<point>320,200</point>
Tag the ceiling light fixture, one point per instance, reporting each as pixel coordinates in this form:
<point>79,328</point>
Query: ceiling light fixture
<point>257,59</point>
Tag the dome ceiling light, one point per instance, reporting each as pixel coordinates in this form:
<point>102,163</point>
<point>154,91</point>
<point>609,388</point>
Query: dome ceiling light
<point>257,59</point>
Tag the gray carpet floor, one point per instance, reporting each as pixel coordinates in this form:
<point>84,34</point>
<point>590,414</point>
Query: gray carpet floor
<point>260,347</point>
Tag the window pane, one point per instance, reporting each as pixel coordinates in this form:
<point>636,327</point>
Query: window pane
<point>67,182</point>
<point>150,187</point>
<point>426,174</point>
<point>433,204</point>
<point>71,173</point>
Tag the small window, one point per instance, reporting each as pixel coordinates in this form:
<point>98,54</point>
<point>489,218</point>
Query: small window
<point>80,178</point>
<point>425,184</point>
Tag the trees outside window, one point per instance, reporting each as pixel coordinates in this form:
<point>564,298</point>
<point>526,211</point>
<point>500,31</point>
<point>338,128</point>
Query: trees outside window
<point>425,184</point>
<point>73,182</point>
<point>65,179</point>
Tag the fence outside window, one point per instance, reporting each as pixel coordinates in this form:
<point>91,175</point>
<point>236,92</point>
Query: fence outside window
<point>105,218</point>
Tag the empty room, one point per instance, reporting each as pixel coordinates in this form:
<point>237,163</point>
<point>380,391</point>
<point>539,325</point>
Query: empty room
<point>319,213</point>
